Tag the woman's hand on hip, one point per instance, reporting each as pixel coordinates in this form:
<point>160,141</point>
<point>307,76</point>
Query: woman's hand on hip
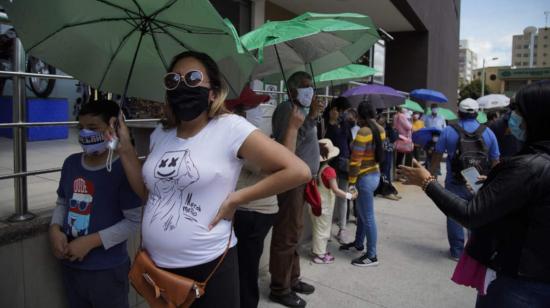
<point>226,211</point>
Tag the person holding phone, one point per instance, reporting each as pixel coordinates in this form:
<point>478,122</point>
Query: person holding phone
<point>451,141</point>
<point>511,211</point>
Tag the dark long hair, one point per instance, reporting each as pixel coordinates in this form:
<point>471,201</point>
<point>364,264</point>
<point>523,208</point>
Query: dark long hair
<point>367,113</point>
<point>533,103</point>
<point>341,103</point>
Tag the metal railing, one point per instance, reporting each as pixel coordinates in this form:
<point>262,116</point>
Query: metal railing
<point>19,126</point>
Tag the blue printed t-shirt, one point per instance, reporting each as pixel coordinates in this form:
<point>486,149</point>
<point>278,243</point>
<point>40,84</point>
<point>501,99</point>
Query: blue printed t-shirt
<point>448,141</point>
<point>95,199</point>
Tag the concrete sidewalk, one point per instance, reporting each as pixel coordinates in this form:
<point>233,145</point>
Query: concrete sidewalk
<point>414,269</point>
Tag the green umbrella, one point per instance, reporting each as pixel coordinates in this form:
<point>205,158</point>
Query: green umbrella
<point>125,46</point>
<point>481,117</point>
<point>308,44</point>
<point>412,105</point>
<point>448,114</point>
<point>344,74</point>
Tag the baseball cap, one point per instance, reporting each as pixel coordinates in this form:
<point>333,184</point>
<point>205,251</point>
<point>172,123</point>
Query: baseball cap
<point>468,106</point>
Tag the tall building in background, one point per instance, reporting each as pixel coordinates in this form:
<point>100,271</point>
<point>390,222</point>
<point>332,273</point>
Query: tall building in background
<point>467,62</point>
<point>532,48</point>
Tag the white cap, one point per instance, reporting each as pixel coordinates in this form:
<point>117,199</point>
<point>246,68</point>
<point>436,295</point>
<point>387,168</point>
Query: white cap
<point>468,106</point>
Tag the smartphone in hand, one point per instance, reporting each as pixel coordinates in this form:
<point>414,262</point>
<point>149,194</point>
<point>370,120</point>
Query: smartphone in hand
<point>471,176</point>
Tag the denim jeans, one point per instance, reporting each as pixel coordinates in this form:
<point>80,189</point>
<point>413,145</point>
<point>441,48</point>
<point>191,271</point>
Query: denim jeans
<point>385,166</point>
<point>341,204</point>
<point>506,292</point>
<point>455,232</point>
<point>366,224</point>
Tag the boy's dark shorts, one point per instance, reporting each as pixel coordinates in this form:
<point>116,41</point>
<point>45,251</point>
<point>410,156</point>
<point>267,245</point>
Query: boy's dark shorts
<point>97,288</point>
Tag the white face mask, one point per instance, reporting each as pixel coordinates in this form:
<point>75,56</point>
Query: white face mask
<point>305,96</point>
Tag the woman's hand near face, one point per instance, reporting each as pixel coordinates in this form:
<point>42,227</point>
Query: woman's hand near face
<point>123,134</point>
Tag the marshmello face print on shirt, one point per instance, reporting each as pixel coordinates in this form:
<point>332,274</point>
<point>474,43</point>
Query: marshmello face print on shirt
<point>171,200</point>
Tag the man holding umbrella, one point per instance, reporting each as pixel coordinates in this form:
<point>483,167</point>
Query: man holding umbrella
<point>284,261</point>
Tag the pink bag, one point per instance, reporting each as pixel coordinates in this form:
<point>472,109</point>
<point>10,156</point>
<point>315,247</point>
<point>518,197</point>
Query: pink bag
<point>469,272</point>
<point>404,144</point>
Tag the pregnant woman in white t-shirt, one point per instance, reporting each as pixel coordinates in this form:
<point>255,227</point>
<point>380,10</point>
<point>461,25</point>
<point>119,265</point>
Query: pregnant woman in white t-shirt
<point>190,175</point>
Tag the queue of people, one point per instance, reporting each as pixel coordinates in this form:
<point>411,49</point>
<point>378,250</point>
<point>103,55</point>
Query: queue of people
<point>213,185</point>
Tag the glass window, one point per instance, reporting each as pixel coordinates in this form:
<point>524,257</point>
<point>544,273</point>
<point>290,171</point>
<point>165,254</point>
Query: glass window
<point>379,61</point>
<point>525,46</point>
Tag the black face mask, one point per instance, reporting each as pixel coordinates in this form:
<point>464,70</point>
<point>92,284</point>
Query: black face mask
<point>188,103</point>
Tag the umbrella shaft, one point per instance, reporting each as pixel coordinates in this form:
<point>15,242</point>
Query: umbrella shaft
<point>131,71</point>
<point>282,71</point>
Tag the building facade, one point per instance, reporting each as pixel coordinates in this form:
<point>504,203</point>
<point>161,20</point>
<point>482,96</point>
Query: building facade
<point>509,80</point>
<point>532,48</point>
<point>467,63</point>
<point>421,53</point>
<point>492,82</point>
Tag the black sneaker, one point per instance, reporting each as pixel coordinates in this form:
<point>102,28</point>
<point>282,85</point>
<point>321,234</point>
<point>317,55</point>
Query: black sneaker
<point>365,261</point>
<point>302,287</point>
<point>289,300</point>
<point>348,247</point>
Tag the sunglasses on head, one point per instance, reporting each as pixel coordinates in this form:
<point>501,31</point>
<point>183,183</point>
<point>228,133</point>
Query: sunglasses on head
<point>191,79</point>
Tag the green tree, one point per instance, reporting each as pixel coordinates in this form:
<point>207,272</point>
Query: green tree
<point>472,90</point>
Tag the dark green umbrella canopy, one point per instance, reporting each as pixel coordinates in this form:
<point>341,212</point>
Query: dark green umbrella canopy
<point>119,45</point>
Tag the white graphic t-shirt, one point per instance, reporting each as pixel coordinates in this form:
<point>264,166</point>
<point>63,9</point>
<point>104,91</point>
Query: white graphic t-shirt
<point>188,179</point>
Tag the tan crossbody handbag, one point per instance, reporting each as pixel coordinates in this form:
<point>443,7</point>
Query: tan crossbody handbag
<point>163,289</point>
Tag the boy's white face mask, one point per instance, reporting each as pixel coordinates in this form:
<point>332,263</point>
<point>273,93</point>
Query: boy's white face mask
<point>305,96</point>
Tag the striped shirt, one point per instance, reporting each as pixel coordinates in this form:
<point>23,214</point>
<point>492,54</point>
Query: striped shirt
<point>362,154</point>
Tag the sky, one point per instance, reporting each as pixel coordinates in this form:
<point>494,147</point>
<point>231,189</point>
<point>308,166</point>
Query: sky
<point>490,24</point>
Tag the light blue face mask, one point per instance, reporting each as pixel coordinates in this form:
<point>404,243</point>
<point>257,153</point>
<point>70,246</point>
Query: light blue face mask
<point>514,123</point>
<point>92,142</point>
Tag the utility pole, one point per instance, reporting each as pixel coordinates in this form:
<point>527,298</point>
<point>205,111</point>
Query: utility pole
<point>546,14</point>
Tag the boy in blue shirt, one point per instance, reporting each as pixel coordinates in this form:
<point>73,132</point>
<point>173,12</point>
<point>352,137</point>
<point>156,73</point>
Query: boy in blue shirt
<point>96,213</point>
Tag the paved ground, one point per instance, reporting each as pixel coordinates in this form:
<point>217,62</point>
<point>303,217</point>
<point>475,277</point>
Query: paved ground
<point>414,268</point>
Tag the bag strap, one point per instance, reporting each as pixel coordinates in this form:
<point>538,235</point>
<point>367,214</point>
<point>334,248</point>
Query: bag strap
<point>480,130</point>
<point>203,284</point>
<point>222,258</point>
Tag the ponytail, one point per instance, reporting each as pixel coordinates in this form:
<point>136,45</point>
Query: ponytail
<point>368,113</point>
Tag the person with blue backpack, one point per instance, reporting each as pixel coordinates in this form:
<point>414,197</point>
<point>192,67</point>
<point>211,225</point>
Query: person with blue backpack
<point>467,144</point>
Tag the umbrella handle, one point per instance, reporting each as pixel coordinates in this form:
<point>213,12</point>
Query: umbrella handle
<point>282,71</point>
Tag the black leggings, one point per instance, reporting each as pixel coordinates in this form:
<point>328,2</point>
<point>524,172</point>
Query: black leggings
<point>404,159</point>
<point>223,288</point>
